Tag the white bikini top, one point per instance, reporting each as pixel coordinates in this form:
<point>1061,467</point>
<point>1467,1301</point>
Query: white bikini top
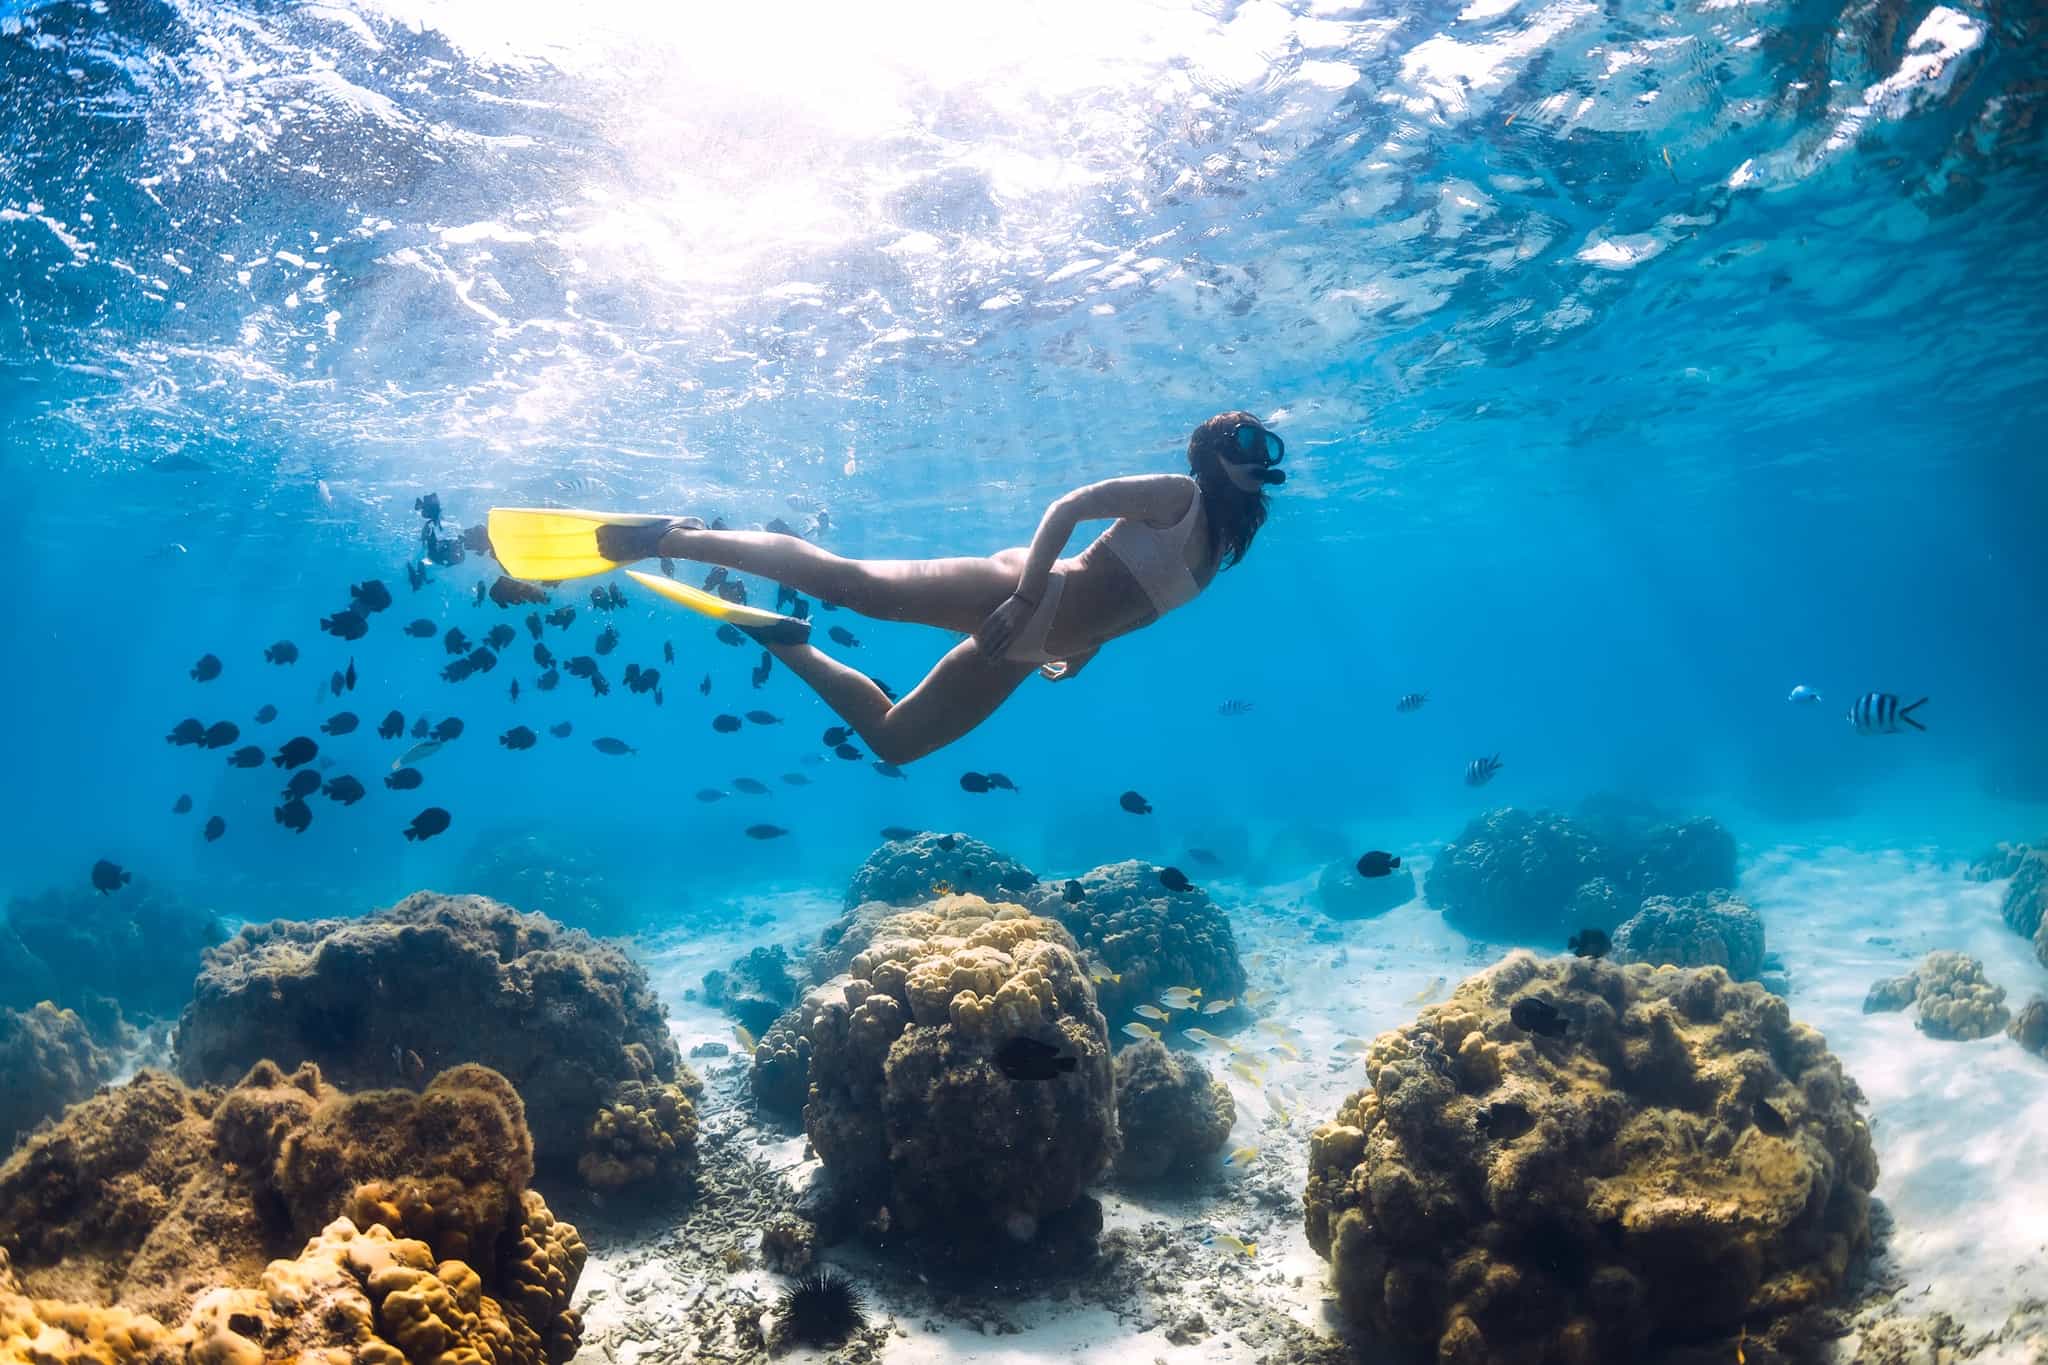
<point>1157,556</point>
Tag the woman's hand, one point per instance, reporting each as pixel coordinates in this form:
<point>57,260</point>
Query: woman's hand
<point>1000,630</point>
<point>1063,669</point>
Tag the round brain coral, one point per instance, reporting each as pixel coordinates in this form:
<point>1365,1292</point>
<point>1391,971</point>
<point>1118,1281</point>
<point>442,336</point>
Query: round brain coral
<point>1147,937</point>
<point>906,871</point>
<point>1662,1159</point>
<point>911,1107</point>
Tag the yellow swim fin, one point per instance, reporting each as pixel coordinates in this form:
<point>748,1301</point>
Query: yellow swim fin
<point>770,628</point>
<point>549,544</point>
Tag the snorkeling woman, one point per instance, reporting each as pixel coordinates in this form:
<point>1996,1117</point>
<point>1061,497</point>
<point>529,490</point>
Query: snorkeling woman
<point>1024,610</point>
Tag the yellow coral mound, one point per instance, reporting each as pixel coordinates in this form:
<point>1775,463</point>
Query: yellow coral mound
<point>161,1224</point>
<point>1672,1162</point>
<point>645,1135</point>
<point>910,1106</point>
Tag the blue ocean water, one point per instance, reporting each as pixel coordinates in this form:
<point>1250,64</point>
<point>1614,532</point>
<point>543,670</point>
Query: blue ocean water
<point>1636,362</point>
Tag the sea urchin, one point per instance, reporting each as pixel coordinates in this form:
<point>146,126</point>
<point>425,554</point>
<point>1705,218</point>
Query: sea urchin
<point>823,1308</point>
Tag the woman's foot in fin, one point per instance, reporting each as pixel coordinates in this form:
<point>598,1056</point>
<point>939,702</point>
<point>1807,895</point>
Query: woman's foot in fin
<point>625,544</point>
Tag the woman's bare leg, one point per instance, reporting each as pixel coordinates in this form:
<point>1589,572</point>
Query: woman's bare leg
<point>962,690</point>
<point>953,594</point>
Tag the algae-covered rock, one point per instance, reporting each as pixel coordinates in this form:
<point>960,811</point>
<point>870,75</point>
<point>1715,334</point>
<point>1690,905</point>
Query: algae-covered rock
<point>1344,894</point>
<point>47,1060</point>
<point>2026,900</point>
<point>430,982</point>
<point>1536,876</point>
<point>1146,938</point>
<point>1662,1162</point>
<point>1514,875</point>
<point>756,989</point>
<point>2029,1027</point>
<point>1891,994</point>
<point>911,1109</point>
<point>1172,1115</point>
<point>1686,858</point>
<point>140,949</point>
<point>1999,861</point>
<point>912,870</point>
<point>175,1223</point>
<point>1713,929</point>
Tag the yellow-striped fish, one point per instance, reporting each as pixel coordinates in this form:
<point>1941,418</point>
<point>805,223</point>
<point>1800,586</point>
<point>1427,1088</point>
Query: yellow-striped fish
<point>1102,974</point>
<point>1243,1156</point>
<point>1288,1050</point>
<point>1208,1040</point>
<point>1219,1006</point>
<point>1244,1070</point>
<point>1141,1031</point>
<point>1152,1012</point>
<point>1237,1244</point>
<point>1428,993</point>
<point>1352,1046</point>
<point>1179,998</point>
<point>1257,997</point>
<point>743,1038</point>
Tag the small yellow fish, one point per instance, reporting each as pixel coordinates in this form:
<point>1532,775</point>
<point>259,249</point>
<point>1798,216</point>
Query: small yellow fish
<point>1244,1069</point>
<point>1279,1101</point>
<point>1740,1357</point>
<point>1428,993</point>
<point>1352,1046</point>
<point>1179,998</point>
<point>1102,974</point>
<point>1208,1040</point>
<point>1152,1012</point>
<point>1257,997</point>
<point>743,1038</point>
<point>1243,1156</point>
<point>1287,1049</point>
<point>1235,1243</point>
<point>942,888</point>
<point>1141,1031</point>
<point>1219,1006</point>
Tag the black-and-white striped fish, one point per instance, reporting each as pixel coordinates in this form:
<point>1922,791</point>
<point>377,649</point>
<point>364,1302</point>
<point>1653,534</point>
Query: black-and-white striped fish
<point>1879,713</point>
<point>1414,701</point>
<point>1480,771</point>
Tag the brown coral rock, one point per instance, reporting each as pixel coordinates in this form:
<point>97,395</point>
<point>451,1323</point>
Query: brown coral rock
<point>909,1109</point>
<point>165,1224</point>
<point>1684,1160</point>
<point>1955,1000</point>
<point>1172,1116</point>
<point>444,979</point>
<point>646,1135</point>
<point>2029,1028</point>
<point>47,1061</point>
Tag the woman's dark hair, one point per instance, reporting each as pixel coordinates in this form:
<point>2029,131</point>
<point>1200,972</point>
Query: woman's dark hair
<point>1235,516</point>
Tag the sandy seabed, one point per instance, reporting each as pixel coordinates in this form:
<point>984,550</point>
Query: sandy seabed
<point>1961,1132</point>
